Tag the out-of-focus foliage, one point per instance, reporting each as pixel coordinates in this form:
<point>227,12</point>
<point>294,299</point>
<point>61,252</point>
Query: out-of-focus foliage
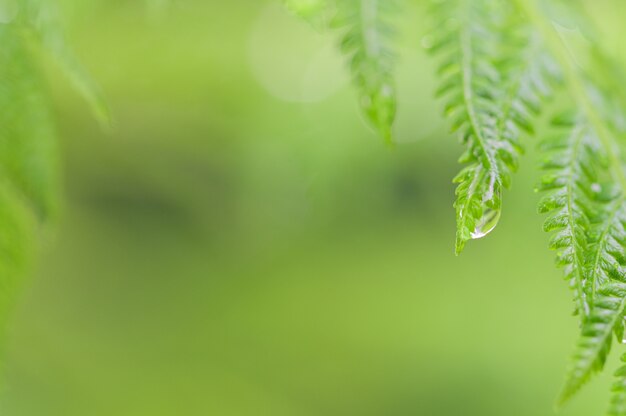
<point>29,167</point>
<point>28,149</point>
<point>43,19</point>
<point>28,159</point>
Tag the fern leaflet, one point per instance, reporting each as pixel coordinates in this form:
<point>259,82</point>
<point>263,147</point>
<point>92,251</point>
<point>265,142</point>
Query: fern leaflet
<point>596,337</point>
<point>570,162</point>
<point>491,103</point>
<point>367,41</point>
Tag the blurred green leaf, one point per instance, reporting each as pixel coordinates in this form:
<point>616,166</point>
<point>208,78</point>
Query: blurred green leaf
<point>43,17</point>
<point>28,152</point>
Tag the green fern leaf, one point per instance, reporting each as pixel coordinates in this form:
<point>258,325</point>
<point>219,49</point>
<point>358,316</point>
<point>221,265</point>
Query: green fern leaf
<point>589,224</point>
<point>368,42</point>
<point>597,334</point>
<point>367,37</point>
<point>593,258</point>
<point>607,239</point>
<point>491,103</point>
<point>570,161</point>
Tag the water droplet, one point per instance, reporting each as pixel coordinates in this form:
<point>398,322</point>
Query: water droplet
<point>596,188</point>
<point>487,223</point>
<point>8,10</point>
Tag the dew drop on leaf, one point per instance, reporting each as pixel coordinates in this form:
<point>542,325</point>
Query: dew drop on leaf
<point>596,188</point>
<point>487,223</point>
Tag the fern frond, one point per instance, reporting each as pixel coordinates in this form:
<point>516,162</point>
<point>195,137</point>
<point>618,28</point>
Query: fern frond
<point>596,337</point>
<point>570,161</point>
<point>367,37</point>
<point>588,214</point>
<point>491,102</point>
<point>590,224</point>
<point>594,264</point>
<point>42,18</point>
<point>368,42</point>
<point>468,80</point>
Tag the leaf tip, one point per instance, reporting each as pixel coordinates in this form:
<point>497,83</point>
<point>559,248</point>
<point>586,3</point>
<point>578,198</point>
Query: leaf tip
<point>565,395</point>
<point>459,246</point>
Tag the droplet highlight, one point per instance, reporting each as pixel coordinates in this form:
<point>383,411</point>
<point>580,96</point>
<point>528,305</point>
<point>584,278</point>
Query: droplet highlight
<point>487,223</point>
<point>596,188</point>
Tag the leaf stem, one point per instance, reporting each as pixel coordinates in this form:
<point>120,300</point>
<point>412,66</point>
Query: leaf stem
<point>468,94</point>
<point>581,297</point>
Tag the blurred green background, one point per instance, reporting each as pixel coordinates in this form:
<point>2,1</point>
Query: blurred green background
<point>241,244</point>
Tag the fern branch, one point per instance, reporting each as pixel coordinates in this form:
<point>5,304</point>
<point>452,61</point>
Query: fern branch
<point>570,165</point>
<point>490,103</point>
<point>604,276</point>
<point>367,41</point>
<point>466,71</point>
<point>590,237</point>
<point>597,334</point>
<point>603,308</point>
<point>574,80</point>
